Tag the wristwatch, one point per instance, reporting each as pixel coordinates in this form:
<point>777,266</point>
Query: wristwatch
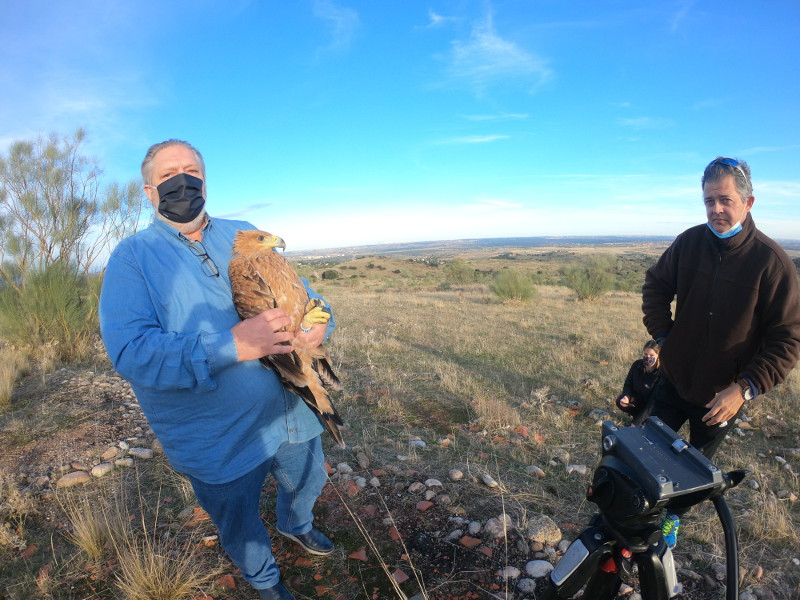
<point>747,391</point>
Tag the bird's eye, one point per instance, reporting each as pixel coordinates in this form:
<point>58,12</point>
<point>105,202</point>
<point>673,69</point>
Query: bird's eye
<point>261,238</point>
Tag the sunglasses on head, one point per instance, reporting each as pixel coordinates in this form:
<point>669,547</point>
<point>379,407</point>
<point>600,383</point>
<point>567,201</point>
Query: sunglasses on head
<point>731,162</point>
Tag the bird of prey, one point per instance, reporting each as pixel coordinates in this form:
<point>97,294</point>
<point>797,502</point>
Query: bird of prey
<point>262,279</point>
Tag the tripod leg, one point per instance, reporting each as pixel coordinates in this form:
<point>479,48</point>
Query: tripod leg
<point>657,573</point>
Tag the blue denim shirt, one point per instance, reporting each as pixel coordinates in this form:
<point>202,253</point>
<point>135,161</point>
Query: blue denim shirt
<point>167,328</point>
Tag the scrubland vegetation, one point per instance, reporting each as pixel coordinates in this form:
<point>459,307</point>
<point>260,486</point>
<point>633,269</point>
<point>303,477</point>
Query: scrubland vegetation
<point>456,353</point>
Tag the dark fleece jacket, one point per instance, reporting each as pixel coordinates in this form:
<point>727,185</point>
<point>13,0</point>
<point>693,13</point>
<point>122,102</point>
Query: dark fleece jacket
<point>737,312</point>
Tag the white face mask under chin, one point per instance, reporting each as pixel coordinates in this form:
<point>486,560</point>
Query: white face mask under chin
<point>737,227</point>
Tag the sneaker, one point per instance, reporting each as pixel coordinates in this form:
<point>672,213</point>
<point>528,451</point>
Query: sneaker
<point>669,529</point>
<point>313,542</point>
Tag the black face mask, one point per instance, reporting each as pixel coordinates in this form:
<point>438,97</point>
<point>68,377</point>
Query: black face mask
<point>181,198</point>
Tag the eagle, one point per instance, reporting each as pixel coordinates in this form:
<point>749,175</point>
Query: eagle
<point>262,279</point>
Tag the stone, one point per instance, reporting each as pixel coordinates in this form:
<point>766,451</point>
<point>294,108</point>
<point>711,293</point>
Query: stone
<point>526,586</point>
<point>542,528</point>
<point>579,469</point>
<point>74,478</point>
<point>489,480</point>
<point>125,461</point>
<point>431,483</point>
<point>110,454</point>
<point>416,487</point>
<point>102,469</point>
<point>496,527</point>
<point>536,471</point>
<point>538,568</point>
<point>507,573</point>
<point>562,456</point>
<point>455,475</point>
<point>344,469</point>
<point>143,453</point>
<point>362,460</point>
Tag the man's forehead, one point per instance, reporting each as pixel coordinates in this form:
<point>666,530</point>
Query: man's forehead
<point>176,154</point>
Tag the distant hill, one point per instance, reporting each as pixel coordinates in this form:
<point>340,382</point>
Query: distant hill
<point>456,246</point>
<point>453,247</point>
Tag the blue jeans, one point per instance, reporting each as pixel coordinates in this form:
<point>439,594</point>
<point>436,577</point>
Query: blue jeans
<point>234,507</point>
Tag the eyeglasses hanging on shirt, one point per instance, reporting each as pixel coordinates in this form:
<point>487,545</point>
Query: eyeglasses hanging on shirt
<point>209,267</point>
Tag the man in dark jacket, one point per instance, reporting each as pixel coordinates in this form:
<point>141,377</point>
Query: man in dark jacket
<point>736,329</point>
<point>735,333</point>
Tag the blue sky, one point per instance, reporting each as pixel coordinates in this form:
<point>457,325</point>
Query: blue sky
<point>337,122</point>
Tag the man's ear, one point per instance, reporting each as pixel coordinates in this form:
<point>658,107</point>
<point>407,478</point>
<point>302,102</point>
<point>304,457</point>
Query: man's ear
<point>749,203</point>
<point>152,195</point>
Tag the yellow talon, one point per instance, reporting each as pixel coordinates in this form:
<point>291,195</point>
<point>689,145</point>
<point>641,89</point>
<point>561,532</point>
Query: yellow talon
<point>315,313</point>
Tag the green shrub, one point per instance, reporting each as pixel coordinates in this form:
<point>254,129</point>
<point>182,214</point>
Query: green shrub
<point>510,284</point>
<point>330,274</point>
<point>589,280</point>
<point>56,306</point>
<point>459,272</point>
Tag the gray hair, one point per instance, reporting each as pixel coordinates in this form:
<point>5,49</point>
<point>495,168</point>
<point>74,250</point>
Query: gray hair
<point>147,163</point>
<point>723,167</point>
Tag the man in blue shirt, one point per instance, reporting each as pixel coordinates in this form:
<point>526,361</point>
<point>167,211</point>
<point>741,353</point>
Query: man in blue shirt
<point>170,327</point>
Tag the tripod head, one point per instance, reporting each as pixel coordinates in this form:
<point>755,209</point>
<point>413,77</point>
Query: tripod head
<point>644,470</point>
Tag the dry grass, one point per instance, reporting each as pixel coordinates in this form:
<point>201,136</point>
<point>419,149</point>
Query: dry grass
<point>152,569</point>
<point>13,364</point>
<point>435,362</point>
<point>97,527</point>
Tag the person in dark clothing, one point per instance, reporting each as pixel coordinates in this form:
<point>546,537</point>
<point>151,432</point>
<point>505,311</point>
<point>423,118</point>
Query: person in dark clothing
<point>735,333</point>
<point>642,377</point>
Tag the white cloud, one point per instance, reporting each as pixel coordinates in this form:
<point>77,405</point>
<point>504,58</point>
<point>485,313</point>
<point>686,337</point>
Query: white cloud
<point>474,139</point>
<point>437,20</point>
<point>486,59</point>
<point>343,22</point>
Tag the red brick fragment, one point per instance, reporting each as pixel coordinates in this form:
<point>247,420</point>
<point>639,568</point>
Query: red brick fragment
<point>399,576</point>
<point>469,542</point>
<point>360,554</point>
<point>226,581</point>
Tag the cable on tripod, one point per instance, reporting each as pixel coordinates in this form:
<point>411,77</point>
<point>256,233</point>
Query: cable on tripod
<point>731,547</point>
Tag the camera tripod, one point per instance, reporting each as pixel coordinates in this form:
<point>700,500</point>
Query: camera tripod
<point>602,554</point>
<point>644,471</point>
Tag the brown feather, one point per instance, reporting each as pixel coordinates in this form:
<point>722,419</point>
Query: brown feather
<point>262,279</point>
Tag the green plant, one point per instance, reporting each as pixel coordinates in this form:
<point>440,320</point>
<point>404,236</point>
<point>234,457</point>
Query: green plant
<point>591,279</point>
<point>510,284</point>
<point>53,209</point>
<point>459,272</point>
<point>330,274</point>
<point>54,306</point>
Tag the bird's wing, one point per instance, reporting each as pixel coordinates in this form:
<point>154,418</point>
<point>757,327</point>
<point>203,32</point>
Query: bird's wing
<point>252,294</point>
